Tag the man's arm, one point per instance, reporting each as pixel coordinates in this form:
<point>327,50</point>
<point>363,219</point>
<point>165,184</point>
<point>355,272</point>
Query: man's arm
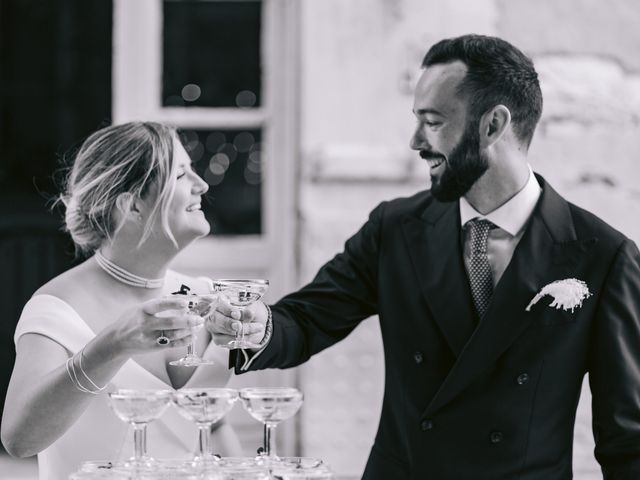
<point>343,293</point>
<point>614,370</point>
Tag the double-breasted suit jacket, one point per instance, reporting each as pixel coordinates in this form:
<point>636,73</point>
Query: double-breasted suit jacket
<point>475,400</point>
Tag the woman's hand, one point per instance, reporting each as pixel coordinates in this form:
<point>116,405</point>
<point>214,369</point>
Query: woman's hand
<point>138,328</point>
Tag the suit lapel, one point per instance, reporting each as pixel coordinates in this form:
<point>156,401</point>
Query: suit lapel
<point>433,241</point>
<point>547,251</point>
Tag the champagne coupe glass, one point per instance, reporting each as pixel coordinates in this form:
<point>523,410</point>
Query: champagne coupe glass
<point>139,407</point>
<point>198,305</point>
<point>283,471</point>
<point>300,468</point>
<point>99,475</point>
<point>241,293</point>
<point>237,472</point>
<point>204,406</point>
<point>100,469</point>
<point>170,469</point>
<point>271,406</point>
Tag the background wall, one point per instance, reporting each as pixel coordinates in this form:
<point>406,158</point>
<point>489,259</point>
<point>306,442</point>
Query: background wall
<point>359,63</point>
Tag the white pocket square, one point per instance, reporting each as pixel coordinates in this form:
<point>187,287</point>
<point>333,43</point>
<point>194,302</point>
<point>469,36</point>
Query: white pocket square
<point>567,294</point>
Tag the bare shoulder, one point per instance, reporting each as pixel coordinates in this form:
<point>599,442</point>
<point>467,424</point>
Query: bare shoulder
<point>66,285</point>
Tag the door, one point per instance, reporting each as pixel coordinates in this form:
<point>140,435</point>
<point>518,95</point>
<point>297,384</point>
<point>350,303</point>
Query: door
<point>224,73</point>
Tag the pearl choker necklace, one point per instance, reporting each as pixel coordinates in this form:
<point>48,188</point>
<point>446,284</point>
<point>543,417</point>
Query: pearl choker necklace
<point>125,276</point>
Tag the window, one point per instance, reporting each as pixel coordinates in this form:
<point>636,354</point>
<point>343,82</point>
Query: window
<point>230,161</point>
<point>225,74</point>
<point>211,58</point>
<point>211,53</point>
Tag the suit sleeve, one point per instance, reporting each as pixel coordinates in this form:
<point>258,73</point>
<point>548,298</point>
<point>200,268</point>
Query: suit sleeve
<point>343,293</point>
<point>614,371</point>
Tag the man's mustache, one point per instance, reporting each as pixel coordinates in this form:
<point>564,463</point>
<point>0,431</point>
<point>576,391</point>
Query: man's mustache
<point>431,155</point>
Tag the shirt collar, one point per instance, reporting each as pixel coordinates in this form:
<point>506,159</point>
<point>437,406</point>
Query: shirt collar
<point>511,216</point>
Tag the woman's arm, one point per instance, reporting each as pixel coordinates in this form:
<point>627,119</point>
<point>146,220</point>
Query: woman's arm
<point>42,400</point>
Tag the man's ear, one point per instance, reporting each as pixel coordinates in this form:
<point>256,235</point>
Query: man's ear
<point>493,124</point>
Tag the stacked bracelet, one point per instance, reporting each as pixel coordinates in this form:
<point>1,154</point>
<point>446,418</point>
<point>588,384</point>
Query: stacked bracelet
<point>268,328</point>
<point>71,371</point>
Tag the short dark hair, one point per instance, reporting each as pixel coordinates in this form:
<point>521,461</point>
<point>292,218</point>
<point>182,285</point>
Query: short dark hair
<point>497,74</point>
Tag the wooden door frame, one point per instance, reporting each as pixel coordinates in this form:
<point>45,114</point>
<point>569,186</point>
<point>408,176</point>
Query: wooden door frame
<point>137,83</point>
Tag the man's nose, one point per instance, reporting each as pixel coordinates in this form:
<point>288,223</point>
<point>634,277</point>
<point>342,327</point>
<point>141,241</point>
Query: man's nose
<point>418,142</point>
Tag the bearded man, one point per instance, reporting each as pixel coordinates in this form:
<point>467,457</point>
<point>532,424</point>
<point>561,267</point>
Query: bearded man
<point>495,295</point>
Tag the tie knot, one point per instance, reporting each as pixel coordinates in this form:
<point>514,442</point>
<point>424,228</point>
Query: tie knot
<point>478,233</point>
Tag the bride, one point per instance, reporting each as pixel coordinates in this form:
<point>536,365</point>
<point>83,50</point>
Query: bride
<point>132,204</point>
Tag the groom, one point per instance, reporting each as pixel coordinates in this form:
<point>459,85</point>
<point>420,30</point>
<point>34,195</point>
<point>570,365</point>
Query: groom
<point>482,382</point>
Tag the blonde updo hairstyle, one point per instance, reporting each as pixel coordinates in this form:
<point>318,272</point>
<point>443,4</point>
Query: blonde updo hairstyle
<point>120,159</point>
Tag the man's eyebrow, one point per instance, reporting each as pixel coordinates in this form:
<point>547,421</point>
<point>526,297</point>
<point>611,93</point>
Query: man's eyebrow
<point>424,111</point>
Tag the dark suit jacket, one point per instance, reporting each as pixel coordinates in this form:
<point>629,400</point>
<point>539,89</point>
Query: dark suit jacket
<point>494,400</point>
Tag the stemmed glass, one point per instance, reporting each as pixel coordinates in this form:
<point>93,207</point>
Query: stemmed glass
<point>139,407</point>
<point>300,471</point>
<point>198,305</point>
<point>237,472</point>
<point>99,469</point>
<point>270,406</point>
<point>241,293</point>
<point>204,406</point>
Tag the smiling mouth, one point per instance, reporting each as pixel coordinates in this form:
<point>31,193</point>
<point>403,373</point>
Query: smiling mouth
<point>194,208</point>
<point>434,160</point>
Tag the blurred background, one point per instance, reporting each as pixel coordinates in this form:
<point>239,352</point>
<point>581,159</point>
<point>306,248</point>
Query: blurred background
<point>298,115</point>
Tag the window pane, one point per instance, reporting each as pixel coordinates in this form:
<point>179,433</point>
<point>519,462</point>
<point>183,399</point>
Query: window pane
<point>211,53</point>
<point>231,162</point>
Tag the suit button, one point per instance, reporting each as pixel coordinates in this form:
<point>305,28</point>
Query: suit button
<point>522,378</point>
<point>496,437</point>
<point>426,425</point>
<point>417,357</point>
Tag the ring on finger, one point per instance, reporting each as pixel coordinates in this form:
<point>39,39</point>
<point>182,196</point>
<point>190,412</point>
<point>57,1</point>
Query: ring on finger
<point>163,339</point>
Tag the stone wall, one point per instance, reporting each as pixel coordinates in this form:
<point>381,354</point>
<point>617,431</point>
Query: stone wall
<point>360,60</point>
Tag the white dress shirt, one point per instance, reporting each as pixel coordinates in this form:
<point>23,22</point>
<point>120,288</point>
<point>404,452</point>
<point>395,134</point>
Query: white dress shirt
<point>510,218</point>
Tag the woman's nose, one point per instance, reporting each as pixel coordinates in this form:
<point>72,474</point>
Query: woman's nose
<point>200,187</point>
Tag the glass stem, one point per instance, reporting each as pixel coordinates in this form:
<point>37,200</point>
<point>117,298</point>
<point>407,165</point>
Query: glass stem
<point>139,440</point>
<point>270,439</point>
<point>203,443</point>
<point>240,335</point>
<point>191,348</point>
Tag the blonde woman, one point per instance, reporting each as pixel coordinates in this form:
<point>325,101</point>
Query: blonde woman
<point>132,204</point>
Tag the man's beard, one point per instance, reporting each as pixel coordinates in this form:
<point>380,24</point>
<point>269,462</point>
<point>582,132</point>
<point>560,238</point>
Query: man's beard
<point>464,166</point>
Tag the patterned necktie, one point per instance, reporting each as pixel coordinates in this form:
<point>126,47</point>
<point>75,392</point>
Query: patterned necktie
<point>479,270</point>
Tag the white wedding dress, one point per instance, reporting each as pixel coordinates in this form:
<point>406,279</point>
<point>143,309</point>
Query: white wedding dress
<point>98,434</point>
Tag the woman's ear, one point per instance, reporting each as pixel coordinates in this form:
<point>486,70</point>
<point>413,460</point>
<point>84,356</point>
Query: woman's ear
<point>493,124</point>
<point>128,207</point>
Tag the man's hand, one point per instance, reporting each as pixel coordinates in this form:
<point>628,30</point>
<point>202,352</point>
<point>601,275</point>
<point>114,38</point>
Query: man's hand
<point>226,321</point>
